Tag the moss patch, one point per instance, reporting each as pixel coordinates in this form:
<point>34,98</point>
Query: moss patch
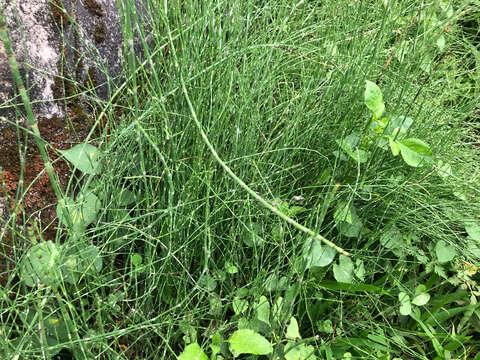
<point>94,7</point>
<point>100,33</point>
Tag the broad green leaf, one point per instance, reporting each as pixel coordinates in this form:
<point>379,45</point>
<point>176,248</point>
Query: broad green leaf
<point>273,283</point>
<point>394,146</point>
<point>392,238</point>
<point>398,126</point>
<point>193,352</point>
<point>252,235</point>
<point>262,310</point>
<point>315,254</point>
<point>279,311</point>
<point>292,330</point>
<point>247,341</point>
<point>444,170</point>
<point>136,259</point>
<point>421,299</point>
<point>326,326</point>
<point>359,270</point>
<point>415,152</point>
<point>349,145</point>
<point>343,212</point>
<point>473,229</point>
<point>441,42</point>
<point>40,263</point>
<point>80,260</point>
<point>239,305</point>
<point>127,197</point>
<point>230,268</point>
<point>84,157</point>
<point>405,305</point>
<point>374,99</point>
<point>294,351</point>
<point>343,271</point>
<point>81,212</point>
<point>350,229</point>
<point>444,251</point>
<point>215,345</point>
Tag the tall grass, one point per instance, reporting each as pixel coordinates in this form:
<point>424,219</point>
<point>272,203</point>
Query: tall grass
<point>273,85</point>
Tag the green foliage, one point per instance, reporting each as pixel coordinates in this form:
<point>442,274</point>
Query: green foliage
<point>40,264</point>
<point>374,99</point>
<point>172,258</point>
<point>343,271</point>
<point>245,341</point>
<point>193,352</point>
<point>84,157</point>
<point>48,263</point>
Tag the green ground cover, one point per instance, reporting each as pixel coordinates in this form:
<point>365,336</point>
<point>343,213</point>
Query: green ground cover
<point>169,246</point>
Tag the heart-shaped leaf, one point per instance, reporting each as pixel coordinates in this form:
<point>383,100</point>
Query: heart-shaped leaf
<point>315,254</point>
<point>373,98</point>
<point>415,152</point>
<point>246,341</point>
<point>193,352</point>
<point>445,252</point>
<point>81,212</point>
<point>343,271</point>
<point>295,351</point>
<point>405,305</point>
<point>421,299</point>
<point>84,157</point>
<point>292,330</point>
<point>262,310</point>
<point>40,263</point>
<point>473,229</point>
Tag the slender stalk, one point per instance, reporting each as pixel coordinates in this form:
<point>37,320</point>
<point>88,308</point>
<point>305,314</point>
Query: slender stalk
<point>225,167</point>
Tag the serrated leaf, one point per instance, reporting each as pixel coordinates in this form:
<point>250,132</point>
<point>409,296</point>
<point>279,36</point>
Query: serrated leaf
<point>193,352</point>
<point>343,271</point>
<point>373,98</point>
<point>315,254</point>
<point>84,157</point>
<point>246,341</point>
<point>415,152</point>
<point>405,305</point>
<point>444,252</point>
<point>292,330</point>
<point>421,299</point>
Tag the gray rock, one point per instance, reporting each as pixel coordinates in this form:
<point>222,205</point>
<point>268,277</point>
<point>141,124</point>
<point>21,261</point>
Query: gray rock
<point>61,46</point>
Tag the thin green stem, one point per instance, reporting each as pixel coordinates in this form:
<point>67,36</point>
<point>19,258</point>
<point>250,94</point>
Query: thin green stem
<point>227,169</point>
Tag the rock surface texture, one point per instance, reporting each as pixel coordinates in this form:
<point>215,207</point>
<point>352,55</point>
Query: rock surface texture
<point>60,45</point>
<point>64,49</point>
